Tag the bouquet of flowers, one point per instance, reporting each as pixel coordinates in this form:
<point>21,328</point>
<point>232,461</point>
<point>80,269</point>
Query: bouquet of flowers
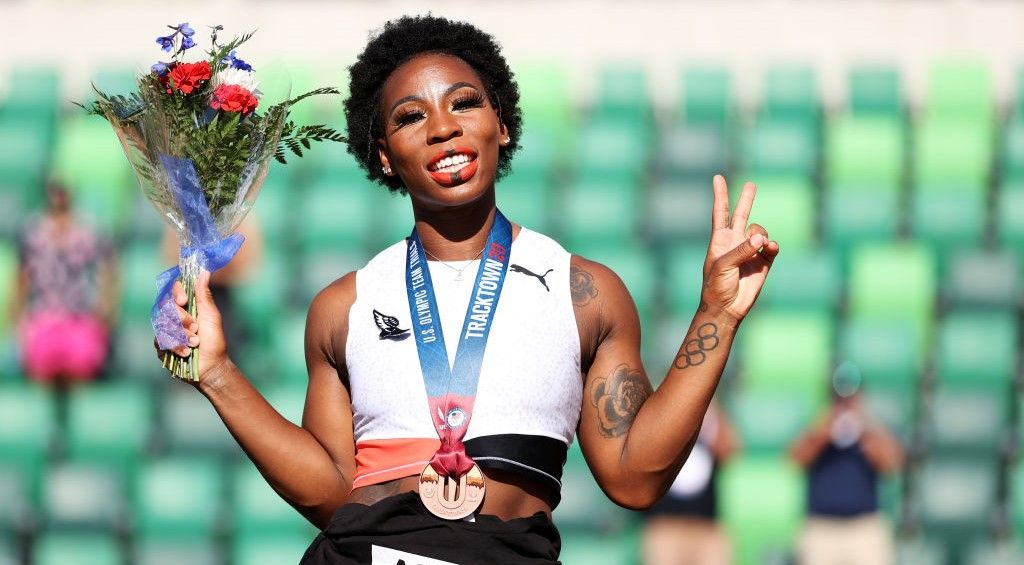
<point>200,145</point>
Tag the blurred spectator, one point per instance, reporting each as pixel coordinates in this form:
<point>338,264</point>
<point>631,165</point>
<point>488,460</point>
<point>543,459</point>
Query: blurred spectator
<point>682,528</point>
<point>223,282</point>
<point>843,454</point>
<point>66,294</point>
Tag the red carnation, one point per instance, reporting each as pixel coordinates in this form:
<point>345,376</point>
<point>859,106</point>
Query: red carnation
<point>233,98</point>
<point>186,77</point>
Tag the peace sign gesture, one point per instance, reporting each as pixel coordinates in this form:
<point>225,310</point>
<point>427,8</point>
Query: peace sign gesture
<point>738,258</point>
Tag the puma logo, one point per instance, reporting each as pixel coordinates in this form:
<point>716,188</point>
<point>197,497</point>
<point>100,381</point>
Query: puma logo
<point>529,273</point>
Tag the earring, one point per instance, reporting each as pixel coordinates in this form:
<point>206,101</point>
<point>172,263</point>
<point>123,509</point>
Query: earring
<point>386,170</point>
<point>507,140</point>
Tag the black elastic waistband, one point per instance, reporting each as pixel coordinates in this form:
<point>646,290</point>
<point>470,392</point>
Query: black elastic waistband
<point>538,458</point>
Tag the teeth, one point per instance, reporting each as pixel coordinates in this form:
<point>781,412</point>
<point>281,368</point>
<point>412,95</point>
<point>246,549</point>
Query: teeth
<point>451,162</point>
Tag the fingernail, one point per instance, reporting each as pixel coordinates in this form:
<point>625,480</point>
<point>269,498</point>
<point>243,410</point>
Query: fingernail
<point>193,341</point>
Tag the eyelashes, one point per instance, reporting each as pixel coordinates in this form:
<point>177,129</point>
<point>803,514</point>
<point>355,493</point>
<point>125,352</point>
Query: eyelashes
<point>467,101</point>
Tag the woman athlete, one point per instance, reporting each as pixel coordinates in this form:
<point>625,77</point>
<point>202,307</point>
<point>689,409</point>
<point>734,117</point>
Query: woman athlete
<point>433,112</point>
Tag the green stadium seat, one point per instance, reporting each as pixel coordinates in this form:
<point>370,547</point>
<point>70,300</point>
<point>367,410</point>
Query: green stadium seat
<point>951,153</point>
<point>179,497</point>
<point>9,552</point>
<point>610,149</point>
<point>788,351</point>
<point>327,162</point>
<point>779,148</point>
<point>950,218</point>
<point>24,152</point>
<point>875,91</point>
<point>679,209</point>
<point>259,511</point>
<point>692,152</point>
<point>769,420</point>
<point>88,155</point>
<point>60,548</point>
<point>892,282</point>
<point>191,426</point>
<point>134,356</point>
<point>983,278</point>
<point>920,551</point>
<point>109,423</point>
<point>288,345</point>
<point>978,348</point>
<point>1009,212</point>
<point>525,199</point>
<point>865,151</point>
<point>270,549</point>
<point>988,552</point>
<point>595,549</point>
<point>321,267</point>
<point>161,551</point>
<point>18,511</point>
<point>8,275</point>
<point>140,264</point>
<point>762,505</point>
<point>884,351</point>
<point>806,279</point>
<point>545,98</point>
<point>275,211</point>
<point>394,217</point>
<point>600,210</point>
<point>968,421</point>
<point>262,298</point>
<point>584,508</point>
<point>855,214</point>
<point>144,224</point>
<point>623,94</point>
<point>289,399</point>
<point>791,94</point>
<point>685,279</point>
<point>1012,149</point>
<point>635,265</point>
<point>785,206</point>
<point>707,96</point>
<point>334,214</point>
<point>1015,502</point>
<point>957,498</point>
<point>537,155</point>
<point>961,90</point>
<point>28,420</point>
<point>83,495</point>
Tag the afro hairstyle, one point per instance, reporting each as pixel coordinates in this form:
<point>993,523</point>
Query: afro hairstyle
<point>399,41</point>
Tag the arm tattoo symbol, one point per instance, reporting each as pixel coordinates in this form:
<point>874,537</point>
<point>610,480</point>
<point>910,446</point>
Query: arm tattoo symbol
<point>695,348</point>
<point>618,398</point>
<point>581,285</point>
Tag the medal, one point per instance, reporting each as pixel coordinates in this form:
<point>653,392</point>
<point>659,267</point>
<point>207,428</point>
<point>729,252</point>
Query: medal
<point>450,498</point>
<point>452,486</point>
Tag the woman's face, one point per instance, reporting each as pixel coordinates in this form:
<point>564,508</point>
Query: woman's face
<point>441,134</point>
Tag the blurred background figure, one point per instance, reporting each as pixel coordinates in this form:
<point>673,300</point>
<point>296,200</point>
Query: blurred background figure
<point>683,528</point>
<point>66,294</point>
<point>844,453</point>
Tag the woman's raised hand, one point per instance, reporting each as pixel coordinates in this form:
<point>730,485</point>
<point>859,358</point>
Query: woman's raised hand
<point>205,331</point>
<point>739,256</point>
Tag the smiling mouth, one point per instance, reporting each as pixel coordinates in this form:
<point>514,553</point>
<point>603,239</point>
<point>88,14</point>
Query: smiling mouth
<point>453,166</point>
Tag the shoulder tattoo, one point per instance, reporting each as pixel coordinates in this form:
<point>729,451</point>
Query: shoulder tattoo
<point>581,285</point>
<point>618,397</point>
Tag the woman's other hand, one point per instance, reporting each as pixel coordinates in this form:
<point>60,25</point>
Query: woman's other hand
<point>739,256</point>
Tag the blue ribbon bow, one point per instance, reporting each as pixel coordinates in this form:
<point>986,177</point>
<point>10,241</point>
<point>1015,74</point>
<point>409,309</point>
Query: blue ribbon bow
<point>213,251</point>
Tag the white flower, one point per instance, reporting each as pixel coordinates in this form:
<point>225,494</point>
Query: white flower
<point>242,78</point>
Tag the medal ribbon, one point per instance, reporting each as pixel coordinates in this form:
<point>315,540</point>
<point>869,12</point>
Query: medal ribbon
<point>451,390</point>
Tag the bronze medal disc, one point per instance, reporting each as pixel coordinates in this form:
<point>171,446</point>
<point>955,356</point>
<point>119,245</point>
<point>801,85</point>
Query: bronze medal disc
<point>449,498</point>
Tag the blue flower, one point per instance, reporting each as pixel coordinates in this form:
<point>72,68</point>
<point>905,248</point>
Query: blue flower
<point>160,68</point>
<point>185,30</point>
<point>236,63</point>
<point>187,43</point>
<point>166,43</point>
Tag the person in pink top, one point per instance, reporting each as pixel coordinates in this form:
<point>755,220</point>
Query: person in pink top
<point>66,294</point>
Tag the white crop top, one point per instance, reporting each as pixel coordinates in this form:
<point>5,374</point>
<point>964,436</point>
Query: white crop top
<point>530,389</point>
